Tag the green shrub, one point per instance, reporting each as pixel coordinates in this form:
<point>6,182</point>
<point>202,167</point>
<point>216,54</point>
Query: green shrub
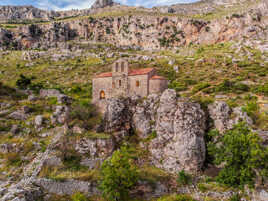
<point>231,86</point>
<point>176,198</point>
<point>119,176</point>
<point>79,197</point>
<point>85,115</point>
<point>243,156</point>
<point>23,82</point>
<point>202,187</point>
<point>251,108</point>
<point>261,89</point>
<point>200,87</point>
<point>184,178</point>
<point>235,197</point>
<point>177,86</point>
<point>13,159</point>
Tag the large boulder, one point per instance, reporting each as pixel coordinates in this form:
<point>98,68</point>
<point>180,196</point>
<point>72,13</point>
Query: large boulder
<point>117,118</point>
<point>180,129</point>
<point>144,115</point>
<point>225,118</point>
<point>95,150</point>
<point>61,114</point>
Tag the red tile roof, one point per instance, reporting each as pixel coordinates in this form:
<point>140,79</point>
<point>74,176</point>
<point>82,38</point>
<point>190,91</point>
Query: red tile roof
<point>157,77</point>
<point>142,71</point>
<point>109,74</point>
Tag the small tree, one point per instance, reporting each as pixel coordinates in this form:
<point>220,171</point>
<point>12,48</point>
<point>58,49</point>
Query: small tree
<point>23,82</point>
<point>119,176</point>
<point>243,157</point>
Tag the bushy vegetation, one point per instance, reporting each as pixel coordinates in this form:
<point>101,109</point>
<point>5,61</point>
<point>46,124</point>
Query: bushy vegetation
<point>243,156</point>
<point>183,178</point>
<point>79,197</point>
<point>85,115</point>
<point>119,175</point>
<point>23,82</point>
<point>177,198</point>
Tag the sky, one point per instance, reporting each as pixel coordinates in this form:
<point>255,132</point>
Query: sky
<point>81,4</point>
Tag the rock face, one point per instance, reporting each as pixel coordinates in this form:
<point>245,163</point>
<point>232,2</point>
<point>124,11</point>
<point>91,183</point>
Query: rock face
<point>117,118</point>
<point>180,128</point>
<point>225,118</point>
<point>147,32</point>
<point>96,150</point>
<point>102,4</point>
<point>24,13</point>
<point>68,187</point>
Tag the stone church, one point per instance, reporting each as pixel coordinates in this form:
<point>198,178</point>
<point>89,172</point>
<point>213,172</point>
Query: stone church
<point>124,82</point>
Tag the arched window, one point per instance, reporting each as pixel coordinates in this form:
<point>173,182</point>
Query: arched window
<point>137,83</point>
<point>102,95</point>
<point>116,67</point>
<point>122,67</point>
<point>113,85</point>
<point>119,83</point>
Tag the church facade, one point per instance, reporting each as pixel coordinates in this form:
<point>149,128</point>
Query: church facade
<point>124,82</point>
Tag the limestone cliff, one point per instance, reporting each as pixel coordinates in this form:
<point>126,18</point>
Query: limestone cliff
<point>147,30</point>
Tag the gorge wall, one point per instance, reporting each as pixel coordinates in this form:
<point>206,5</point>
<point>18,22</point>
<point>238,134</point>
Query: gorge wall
<point>141,30</point>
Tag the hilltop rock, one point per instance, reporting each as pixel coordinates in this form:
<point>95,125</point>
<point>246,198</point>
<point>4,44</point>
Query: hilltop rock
<point>102,4</point>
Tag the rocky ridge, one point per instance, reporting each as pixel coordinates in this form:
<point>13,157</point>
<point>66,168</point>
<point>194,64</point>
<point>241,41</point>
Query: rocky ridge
<point>143,30</point>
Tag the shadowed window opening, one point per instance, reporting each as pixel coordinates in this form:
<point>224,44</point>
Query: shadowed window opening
<point>102,95</point>
<point>122,67</point>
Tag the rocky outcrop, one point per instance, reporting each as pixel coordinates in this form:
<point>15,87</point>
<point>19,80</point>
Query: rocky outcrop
<point>95,150</point>
<point>180,127</point>
<point>102,4</point>
<point>145,115</point>
<point>117,118</point>
<point>25,190</point>
<point>68,187</point>
<point>225,118</point>
<point>20,13</point>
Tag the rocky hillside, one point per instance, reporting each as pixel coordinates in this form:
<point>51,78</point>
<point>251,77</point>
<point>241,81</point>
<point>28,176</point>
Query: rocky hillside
<point>20,13</point>
<point>144,29</point>
<point>205,138</point>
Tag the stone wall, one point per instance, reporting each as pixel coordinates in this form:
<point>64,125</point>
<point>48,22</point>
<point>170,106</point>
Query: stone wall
<point>142,89</point>
<point>157,85</point>
<point>100,84</point>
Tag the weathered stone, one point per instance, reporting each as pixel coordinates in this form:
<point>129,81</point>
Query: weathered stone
<point>95,148</point>
<point>26,109</point>
<point>49,93</point>
<point>102,4</point>
<point>61,115</point>
<point>221,113</point>
<point>78,130</point>
<point>67,187</point>
<point>180,131</point>
<point>18,115</point>
<point>32,98</point>
<point>15,129</point>
<point>53,161</point>
<point>39,119</point>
